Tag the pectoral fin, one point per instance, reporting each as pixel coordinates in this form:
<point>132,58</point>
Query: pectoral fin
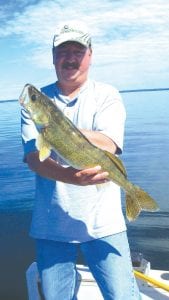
<point>43,147</point>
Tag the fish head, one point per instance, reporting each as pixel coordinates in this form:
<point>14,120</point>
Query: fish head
<point>36,104</point>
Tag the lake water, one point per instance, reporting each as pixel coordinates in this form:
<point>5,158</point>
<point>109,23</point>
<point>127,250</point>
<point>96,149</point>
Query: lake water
<point>146,155</point>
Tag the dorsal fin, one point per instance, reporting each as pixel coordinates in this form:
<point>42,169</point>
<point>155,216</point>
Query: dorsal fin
<point>117,162</point>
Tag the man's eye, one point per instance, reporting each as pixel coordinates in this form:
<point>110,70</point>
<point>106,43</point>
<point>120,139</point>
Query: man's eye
<point>79,53</point>
<point>61,53</point>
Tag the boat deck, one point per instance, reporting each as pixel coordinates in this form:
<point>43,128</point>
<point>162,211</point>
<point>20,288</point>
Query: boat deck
<point>89,289</point>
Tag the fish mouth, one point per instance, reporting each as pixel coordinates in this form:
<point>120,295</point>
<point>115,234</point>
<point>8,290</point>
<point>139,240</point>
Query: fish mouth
<point>24,98</point>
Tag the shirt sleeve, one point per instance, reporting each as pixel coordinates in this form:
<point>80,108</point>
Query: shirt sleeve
<point>29,133</point>
<point>110,118</point>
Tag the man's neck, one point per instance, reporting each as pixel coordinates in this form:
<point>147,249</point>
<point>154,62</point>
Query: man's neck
<point>71,90</point>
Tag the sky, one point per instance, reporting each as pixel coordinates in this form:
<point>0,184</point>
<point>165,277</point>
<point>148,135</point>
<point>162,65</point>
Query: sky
<point>130,42</point>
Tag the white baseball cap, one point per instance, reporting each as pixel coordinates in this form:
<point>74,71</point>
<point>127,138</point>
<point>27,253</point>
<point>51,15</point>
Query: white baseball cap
<point>72,31</point>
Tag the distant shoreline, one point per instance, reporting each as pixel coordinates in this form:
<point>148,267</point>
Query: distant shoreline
<point>12,100</point>
<point>123,91</point>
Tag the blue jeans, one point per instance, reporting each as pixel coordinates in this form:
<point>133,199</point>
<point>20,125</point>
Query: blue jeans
<point>108,259</point>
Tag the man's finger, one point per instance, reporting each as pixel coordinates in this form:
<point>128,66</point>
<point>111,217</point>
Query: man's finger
<point>88,172</point>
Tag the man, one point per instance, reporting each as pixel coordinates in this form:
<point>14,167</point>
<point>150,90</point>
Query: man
<point>79,207</point>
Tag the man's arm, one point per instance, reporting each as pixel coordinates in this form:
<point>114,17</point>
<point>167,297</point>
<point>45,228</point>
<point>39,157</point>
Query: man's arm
<point>52,170</point>
<point>100,140</point>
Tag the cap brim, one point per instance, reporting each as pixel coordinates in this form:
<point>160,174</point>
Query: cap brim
<point>61,41</point>
<point>82,39</point>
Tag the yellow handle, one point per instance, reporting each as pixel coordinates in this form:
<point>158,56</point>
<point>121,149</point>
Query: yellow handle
<point>151,280</point>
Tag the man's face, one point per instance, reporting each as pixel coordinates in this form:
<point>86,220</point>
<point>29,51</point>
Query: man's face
<point>72,61</point>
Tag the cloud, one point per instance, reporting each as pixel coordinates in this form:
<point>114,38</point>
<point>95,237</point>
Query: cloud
<point>109,21</point>
<point>36,23</point>
<point>130,37</point>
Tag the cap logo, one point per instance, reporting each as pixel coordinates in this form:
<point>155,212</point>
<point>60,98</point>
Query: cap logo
<point>65,28</point>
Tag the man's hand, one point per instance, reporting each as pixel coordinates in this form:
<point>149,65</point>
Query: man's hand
<point>87,176</point>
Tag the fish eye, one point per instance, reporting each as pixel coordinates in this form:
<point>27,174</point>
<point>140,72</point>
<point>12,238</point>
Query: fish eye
<point>33,97</point>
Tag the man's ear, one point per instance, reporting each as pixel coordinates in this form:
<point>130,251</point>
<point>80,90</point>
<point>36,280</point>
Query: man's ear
<point>91,52</point>
<point>53,54</point>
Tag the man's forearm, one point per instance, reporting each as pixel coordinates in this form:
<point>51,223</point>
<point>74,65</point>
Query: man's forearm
<point>52,170</point>
<point>48,168</point>
<point>100,140</point>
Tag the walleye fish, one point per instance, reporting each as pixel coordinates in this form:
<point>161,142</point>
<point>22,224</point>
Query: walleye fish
<point>58,133</point>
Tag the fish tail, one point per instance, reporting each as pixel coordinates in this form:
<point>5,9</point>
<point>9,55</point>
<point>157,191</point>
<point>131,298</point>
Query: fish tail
<point>138,200</point>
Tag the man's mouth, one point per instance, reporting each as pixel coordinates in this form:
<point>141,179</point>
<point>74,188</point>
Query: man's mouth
<point>70,66</point>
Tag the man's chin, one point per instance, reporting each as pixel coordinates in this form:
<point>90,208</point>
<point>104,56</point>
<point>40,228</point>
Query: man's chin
<point>71,76</point>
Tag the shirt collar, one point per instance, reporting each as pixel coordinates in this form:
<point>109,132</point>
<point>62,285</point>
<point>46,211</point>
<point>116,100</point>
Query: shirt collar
<point>66,99</point>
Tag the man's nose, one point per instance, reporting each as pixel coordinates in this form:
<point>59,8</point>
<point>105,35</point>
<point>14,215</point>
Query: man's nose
<point>70,56</point>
